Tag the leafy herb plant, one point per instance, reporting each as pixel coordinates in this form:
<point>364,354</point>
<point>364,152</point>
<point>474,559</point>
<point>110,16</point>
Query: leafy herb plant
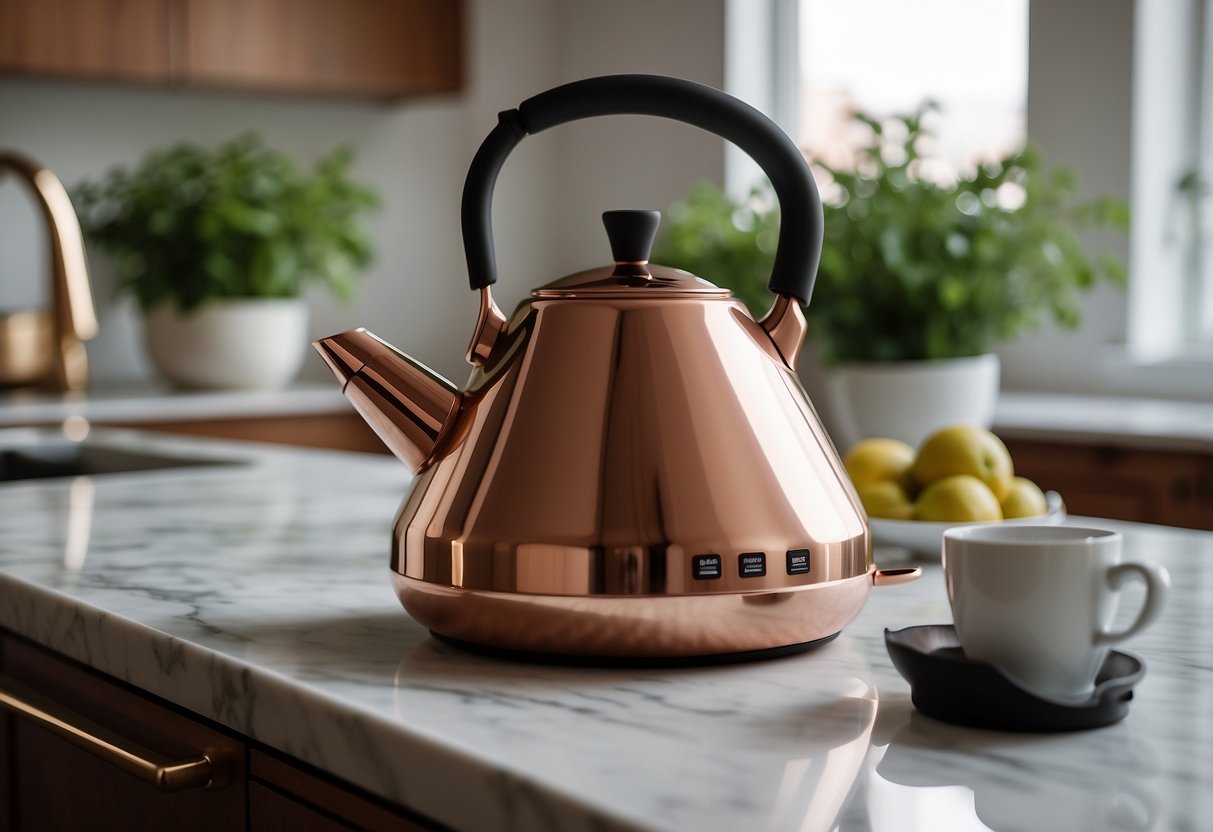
<point>241,220</point>
<point>912,269</point>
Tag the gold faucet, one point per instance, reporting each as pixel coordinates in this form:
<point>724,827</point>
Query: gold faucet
<point>46,346</point>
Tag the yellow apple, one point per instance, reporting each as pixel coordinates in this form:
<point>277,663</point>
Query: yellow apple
<point>1025,499</point>
<point>886,499</point>
<point>957,499</point>
<point>964,449</point>
<point>877,460</point>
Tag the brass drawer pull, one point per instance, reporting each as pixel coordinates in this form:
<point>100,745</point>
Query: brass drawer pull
<point>165,775</point>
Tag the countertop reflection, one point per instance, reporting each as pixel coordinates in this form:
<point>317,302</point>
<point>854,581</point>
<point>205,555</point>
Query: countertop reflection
<point>258,595</point>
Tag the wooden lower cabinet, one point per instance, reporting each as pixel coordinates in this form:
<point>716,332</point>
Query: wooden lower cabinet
<point>55,784</point>
<point>6,770</point>
<point>273,811</point>
<point>49,782</point>
<point>1171,488</point>
<point>284,795</point>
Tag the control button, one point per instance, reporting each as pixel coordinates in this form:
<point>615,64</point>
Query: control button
<point>705,567</point>
<point>752,564</point>
<point>798,561</point>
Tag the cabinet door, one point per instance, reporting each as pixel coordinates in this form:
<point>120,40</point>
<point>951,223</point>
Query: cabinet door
<point>7,806</point>
<point>1173,488</point>
<point>360,47</point>
<point>271,811</point>
<point>283,795</point>
<point>58,785</point>
<point>118,39</point>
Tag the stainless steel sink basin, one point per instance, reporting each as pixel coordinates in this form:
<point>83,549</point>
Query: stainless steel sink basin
<point>72,459</point>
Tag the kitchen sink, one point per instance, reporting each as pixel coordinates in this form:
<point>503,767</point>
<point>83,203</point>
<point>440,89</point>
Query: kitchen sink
<point>72,459</point>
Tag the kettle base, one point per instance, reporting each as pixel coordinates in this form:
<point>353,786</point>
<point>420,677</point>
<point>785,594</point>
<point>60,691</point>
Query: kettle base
<point>636,629</point>
<point>634,661</point>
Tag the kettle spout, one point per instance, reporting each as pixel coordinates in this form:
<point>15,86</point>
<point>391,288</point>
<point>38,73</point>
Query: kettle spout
<point>407,404</point>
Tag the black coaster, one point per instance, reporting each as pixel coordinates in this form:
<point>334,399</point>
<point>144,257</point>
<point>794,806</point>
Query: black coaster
<point>634,661</point>
<point>948,686</point>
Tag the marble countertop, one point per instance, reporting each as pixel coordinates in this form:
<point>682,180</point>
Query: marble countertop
<point>1120,421</point>
<point>257,595</point>
<point>157,403</point>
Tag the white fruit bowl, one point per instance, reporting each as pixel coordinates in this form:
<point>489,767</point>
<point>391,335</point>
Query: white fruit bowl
<point>922,537</point>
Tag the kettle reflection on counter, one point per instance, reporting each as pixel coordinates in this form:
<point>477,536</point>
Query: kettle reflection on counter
<point>812,718</point>
<point>633,470</point>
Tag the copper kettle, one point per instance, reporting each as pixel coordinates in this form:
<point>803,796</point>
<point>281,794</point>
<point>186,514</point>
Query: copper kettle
<point>633,470</point>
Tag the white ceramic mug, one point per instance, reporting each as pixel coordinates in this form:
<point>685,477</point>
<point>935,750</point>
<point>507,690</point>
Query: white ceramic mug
<point>1038,601</point>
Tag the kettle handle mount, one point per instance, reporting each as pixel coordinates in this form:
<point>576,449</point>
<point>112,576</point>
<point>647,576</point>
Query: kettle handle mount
<point>799,248</point>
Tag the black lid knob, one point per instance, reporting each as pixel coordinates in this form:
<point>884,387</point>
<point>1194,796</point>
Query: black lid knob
<point>631,234</point>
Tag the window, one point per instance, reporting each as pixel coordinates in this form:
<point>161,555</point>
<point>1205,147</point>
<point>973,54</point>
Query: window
<point>1198,187</point>
<point>1143,67</point>
<point>1171,260</point>
<point>971,58</point>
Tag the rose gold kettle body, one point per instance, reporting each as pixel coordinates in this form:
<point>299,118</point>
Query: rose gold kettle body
<point>633,471</point>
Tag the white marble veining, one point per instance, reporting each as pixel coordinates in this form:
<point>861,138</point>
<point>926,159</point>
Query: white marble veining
<point>257,595</point>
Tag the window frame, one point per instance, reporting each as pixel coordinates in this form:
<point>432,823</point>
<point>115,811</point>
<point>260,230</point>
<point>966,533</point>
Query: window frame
<point>1172,130</point>
<point>1153,356</point>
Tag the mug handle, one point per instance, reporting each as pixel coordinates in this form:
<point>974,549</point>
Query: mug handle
<point>1158,582</point>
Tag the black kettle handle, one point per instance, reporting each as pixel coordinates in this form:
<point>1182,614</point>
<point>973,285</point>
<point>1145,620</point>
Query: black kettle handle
<point>800,230</point>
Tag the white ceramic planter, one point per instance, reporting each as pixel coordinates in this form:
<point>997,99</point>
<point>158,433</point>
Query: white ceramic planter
<point>908,400</point>
<point>247,343</point>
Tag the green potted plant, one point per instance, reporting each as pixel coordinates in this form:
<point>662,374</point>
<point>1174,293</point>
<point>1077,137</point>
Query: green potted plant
<point>918,280</point>
<point>217,246</point>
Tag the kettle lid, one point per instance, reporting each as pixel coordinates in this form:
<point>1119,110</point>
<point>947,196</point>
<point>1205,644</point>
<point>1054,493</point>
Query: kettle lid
<point>631,235</point>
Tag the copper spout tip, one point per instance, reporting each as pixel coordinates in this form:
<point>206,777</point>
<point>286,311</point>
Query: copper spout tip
<point>348,352</point>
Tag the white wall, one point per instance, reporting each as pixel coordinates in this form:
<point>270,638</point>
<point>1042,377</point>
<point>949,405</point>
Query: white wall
<point>625,162</point>
<point>407,152</point>
<point>416,153</point>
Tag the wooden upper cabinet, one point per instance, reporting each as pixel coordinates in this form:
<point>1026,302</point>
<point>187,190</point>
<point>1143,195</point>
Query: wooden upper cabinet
<point>126,40</point>
<point>366,48</point>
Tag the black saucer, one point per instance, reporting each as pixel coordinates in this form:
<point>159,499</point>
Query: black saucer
<point>948,686</point>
